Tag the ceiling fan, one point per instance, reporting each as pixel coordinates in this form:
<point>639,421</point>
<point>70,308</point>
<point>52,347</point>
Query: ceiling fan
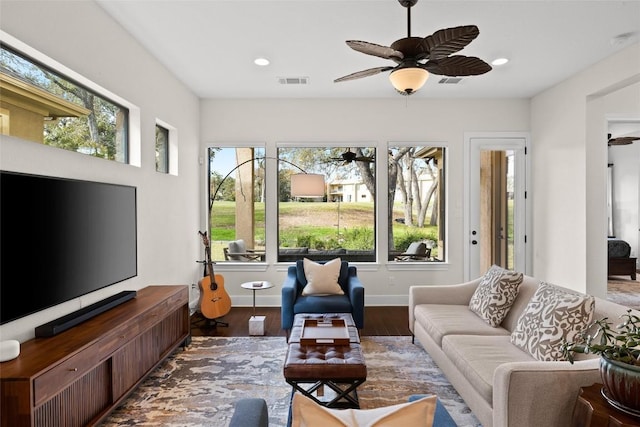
<point>350,157</point>
<point>622,140</point>
<point>416,57</point>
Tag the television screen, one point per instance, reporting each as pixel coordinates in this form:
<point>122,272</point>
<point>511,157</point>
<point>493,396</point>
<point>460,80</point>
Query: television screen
<point>60,239</point>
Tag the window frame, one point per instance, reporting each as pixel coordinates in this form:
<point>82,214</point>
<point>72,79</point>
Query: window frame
<point>162,152</point>
<point>380,208</point>
<point>356,256</point>
<point>443,207</point>
<point>131,127</point>
<point>209,192</point>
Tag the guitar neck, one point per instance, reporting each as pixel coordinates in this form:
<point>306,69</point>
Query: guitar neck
<point>209,263</point>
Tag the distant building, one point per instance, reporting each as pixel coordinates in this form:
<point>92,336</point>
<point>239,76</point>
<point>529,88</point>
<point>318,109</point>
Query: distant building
<point>348,190</point>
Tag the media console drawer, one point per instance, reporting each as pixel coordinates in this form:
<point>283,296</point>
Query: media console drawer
<point>76,378</point>
<point>49,384</point>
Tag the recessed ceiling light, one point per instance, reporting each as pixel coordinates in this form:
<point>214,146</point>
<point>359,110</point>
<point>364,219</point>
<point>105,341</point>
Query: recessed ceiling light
<point>261,62</point>
<point>499,61</point>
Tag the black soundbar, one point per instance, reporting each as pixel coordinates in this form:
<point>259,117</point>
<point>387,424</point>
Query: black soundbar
<point>63,323</point>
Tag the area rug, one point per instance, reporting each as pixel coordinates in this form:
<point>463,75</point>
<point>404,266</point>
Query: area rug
<point>622,290</point>
<point>199,386</point>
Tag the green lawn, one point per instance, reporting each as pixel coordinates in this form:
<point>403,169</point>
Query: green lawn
<point>316,225</point>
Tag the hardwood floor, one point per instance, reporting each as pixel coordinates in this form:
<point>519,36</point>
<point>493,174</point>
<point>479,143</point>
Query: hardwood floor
<point>391,320</point>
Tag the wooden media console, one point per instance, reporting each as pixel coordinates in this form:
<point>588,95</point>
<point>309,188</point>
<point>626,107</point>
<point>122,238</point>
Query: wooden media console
<point>78,377</point>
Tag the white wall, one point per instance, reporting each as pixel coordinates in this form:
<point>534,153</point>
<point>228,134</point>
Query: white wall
<point>375,121</point>
<point>568,127</point>
<point>81,36</point>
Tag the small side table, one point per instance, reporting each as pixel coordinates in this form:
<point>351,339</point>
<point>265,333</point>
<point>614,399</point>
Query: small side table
<point>256,323</point>
<point>592,410</point>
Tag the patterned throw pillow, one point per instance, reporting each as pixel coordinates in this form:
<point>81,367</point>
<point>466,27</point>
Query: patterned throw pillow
<point>553,314</point>
<point>495,294</point>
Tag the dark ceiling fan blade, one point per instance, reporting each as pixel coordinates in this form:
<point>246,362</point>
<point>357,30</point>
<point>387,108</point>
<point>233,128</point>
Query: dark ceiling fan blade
<point>457,65</point>
<point>375,50</point>
<point>623,140</point>
<point>447,41</point>
<point>363,73</point>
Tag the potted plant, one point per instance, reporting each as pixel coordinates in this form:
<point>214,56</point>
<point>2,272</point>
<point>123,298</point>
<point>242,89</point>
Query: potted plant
<point>619,351</point>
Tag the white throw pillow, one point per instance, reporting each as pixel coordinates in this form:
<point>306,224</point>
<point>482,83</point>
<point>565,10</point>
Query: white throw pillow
<point>553,315</point>
<point>322,279</point>
<point>495,294</point>
<point>307,413</point>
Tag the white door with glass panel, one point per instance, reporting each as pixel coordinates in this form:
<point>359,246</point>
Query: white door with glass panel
<point>495,221</point>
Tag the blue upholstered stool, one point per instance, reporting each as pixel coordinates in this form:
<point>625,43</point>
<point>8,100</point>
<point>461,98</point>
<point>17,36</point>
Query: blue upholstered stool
<point>441,417</point>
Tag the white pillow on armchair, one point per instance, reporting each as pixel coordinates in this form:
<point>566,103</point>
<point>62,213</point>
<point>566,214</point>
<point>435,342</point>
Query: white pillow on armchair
<point>322,279</point>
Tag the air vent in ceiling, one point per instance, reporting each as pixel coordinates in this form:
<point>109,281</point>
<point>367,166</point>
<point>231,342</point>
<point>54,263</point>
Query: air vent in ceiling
<point>293,80</point>
<point>450,80</point>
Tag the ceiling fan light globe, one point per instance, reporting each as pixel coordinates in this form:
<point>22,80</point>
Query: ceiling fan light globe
<point>408,80</point>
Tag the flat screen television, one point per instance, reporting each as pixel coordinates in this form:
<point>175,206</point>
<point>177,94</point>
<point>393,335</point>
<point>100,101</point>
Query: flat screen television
<point>61,239</point>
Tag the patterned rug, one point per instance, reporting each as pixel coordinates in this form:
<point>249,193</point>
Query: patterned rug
<point>199,386</point>
<point>624,291</point>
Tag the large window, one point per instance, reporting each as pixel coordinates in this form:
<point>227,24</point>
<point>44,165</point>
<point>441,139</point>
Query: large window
<point>41,105</point>
<point>416,203</point>
<point>236,203</point>
<point>342,223</point>
<point>344,219</point>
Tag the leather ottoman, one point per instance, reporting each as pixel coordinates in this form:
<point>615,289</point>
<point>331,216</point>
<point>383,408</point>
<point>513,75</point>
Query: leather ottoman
<point>340,368</point>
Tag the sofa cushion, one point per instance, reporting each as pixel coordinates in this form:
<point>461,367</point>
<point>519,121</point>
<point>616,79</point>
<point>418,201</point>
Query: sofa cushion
<point>440,320</point>
<point>553,315</point>
<point>306,412</point>
<point>322,279</point>
<point>477,358</point>
<point>495,294</point>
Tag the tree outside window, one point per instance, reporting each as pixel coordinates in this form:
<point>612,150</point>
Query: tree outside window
<point>73,117</point>
<point>340,225</point>
<point>236,198</point>
<point>416,201</point>
<point>162,149</point>
<point>343,222</point>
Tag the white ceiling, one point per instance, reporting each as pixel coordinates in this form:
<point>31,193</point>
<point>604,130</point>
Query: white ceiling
<point>210,45</point>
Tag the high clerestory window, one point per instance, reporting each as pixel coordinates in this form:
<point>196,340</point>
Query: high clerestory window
<point>162,149</point>
<point>40,104</point>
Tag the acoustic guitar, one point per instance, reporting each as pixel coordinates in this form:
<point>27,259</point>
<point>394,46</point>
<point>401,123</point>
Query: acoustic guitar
<point>214,300</point>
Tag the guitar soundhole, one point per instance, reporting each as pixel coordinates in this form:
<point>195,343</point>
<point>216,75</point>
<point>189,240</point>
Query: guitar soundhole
<point>214,286</point>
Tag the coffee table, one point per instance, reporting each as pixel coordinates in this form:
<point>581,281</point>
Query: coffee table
<point>309,368</point>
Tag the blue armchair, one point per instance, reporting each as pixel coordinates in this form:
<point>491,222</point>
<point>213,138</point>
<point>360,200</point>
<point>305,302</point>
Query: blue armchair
<point>293,302</point>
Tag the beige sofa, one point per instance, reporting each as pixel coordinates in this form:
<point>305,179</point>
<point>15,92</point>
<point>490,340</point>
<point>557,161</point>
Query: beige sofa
<point>502,384</point>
